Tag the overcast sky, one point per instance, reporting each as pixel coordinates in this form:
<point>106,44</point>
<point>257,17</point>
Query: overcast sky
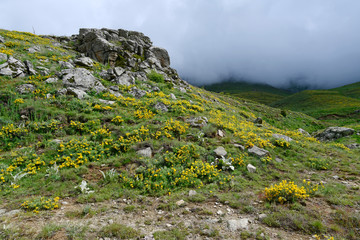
<point>272,41</point>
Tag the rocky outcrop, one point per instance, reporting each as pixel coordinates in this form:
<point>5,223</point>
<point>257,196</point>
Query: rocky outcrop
<point>333,133</point>
<point>82,79</point>
<point>131,51</point>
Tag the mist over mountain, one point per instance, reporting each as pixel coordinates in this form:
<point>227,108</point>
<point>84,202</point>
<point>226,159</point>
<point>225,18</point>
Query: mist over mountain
<point>278,42</point>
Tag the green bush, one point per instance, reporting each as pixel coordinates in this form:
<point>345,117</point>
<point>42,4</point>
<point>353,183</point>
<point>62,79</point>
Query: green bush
<point>155,77</point>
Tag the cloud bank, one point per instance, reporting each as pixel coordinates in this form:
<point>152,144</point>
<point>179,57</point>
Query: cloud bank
<point>272,41</point>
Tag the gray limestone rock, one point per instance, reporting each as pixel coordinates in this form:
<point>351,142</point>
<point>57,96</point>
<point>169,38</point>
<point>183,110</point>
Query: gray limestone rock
<point>52,80</point>
<point>80,78</point>
<point>279,136</point>
<point>161,55</point>
<point>2,40</point>
<point>125,79</point>
<point>197,121</point>
<point>303,132</point>
<point>236,224</point>
<point>137,93</point>
<point>78,93</point>
<point>3,57</point>
<point>172,96</point>
<point>160,106</point>
<point>84,62</point>
<point>25,88</point>
<point>333,133</point>
<point>146,152</point>
<point>29,67</point>
<point>66,65</point>
<point>259,152</point>
<point>34,49</point>
<point>220,151</point>
<point>239,146</point>
<point>251,168</point>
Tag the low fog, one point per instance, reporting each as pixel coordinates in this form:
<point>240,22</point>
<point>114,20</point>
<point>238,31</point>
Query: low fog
<point>270,41</point>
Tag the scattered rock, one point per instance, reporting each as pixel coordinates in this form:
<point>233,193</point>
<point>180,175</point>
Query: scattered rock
<point>262,216</point>
<point>279,136</point>
<point>251,168</point>
<point>219,212</point>
<point>80,78</point>
<point>172,96</point>
<point>6,72</point>
<point>78,93</point>
<point>3,57</point>
<point>146,152</point>
<point>192,193</point>
<point>279,160</point>
<point>336,177</point>
<point>333,133</point>
<point>160,106</point>
<point>220,133</point>
<point>220,151</point>
<point>52,80</point>
<point>303,132</point>
<point>30,68</point>
<point>125,79</point>
<point>353,146</point>
<point>197,121</point>
<point>66,65</point>
<point>107,101</point>
<point>25,88</point>
<point>84,62</point>
<point>236,224</point>
<point>181,203</point>
<point>137,93</point>
<point>239,146</point>
<point>2,40</point>
<point>258,121</point>
<point>259,152</point>
<point>34,49</point>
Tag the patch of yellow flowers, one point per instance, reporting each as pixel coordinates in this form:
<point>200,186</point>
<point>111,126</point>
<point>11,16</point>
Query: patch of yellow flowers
<point>43,203</point>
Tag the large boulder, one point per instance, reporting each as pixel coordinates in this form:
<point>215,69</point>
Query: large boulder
<point>333,133</point>
<point>259,152</point>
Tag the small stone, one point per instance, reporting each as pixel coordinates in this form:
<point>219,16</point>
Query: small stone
<point>236,224</point>
<point>279,160</point>
<point>251,168</point>
<point>192,193</point>
<point>219,212</point>
<point>258,121</point>
<point>168,225</point>
<point>336,177</point>
<point>172,96</point>
<point>303,132</point>
<point>239,146</point>
<point>84,62</point>
<point>111,221</point>
<point>279,136</point>
<point>51,80</point>
<point>220,133</point>
<point>262,216</point>
<point>107,102</point>
<point>146,152</point>
<point>258,151</point>
<point>160,106</point>
<point>181,203</point>
<point>220,151</point>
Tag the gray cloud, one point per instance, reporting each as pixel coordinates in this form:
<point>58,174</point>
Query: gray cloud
<point>268,41</point>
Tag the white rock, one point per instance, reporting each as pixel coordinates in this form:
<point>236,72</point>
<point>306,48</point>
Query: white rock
<point>146,152</point>
<point>251,168</point>
<point>236,224</point>
<point>192,193</point>
<point>220,151</point>
<point>181,203</point>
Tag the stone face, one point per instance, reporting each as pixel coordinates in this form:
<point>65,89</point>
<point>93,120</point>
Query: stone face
<point>236,224</point>
<point>333,133</point>
<point>84,62</point>
<point>259,152</point>
<point>220,151</point>
<point>79,78</point>
<point>161,55</point>
<point>146,152</point>
<point>251,168</point>
<point>197,121</point>
<point>160,106</point>
<point>279,136</point>
<point>125,79</point>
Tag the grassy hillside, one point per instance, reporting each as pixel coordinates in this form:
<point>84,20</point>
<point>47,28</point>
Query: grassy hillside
<point>117,166</point>
<point>350,90</point>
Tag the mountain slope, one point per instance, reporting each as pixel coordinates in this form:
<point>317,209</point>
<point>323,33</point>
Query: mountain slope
<point>118,146</point>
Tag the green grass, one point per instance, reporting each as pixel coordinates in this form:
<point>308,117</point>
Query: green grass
<point>81,138</point>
